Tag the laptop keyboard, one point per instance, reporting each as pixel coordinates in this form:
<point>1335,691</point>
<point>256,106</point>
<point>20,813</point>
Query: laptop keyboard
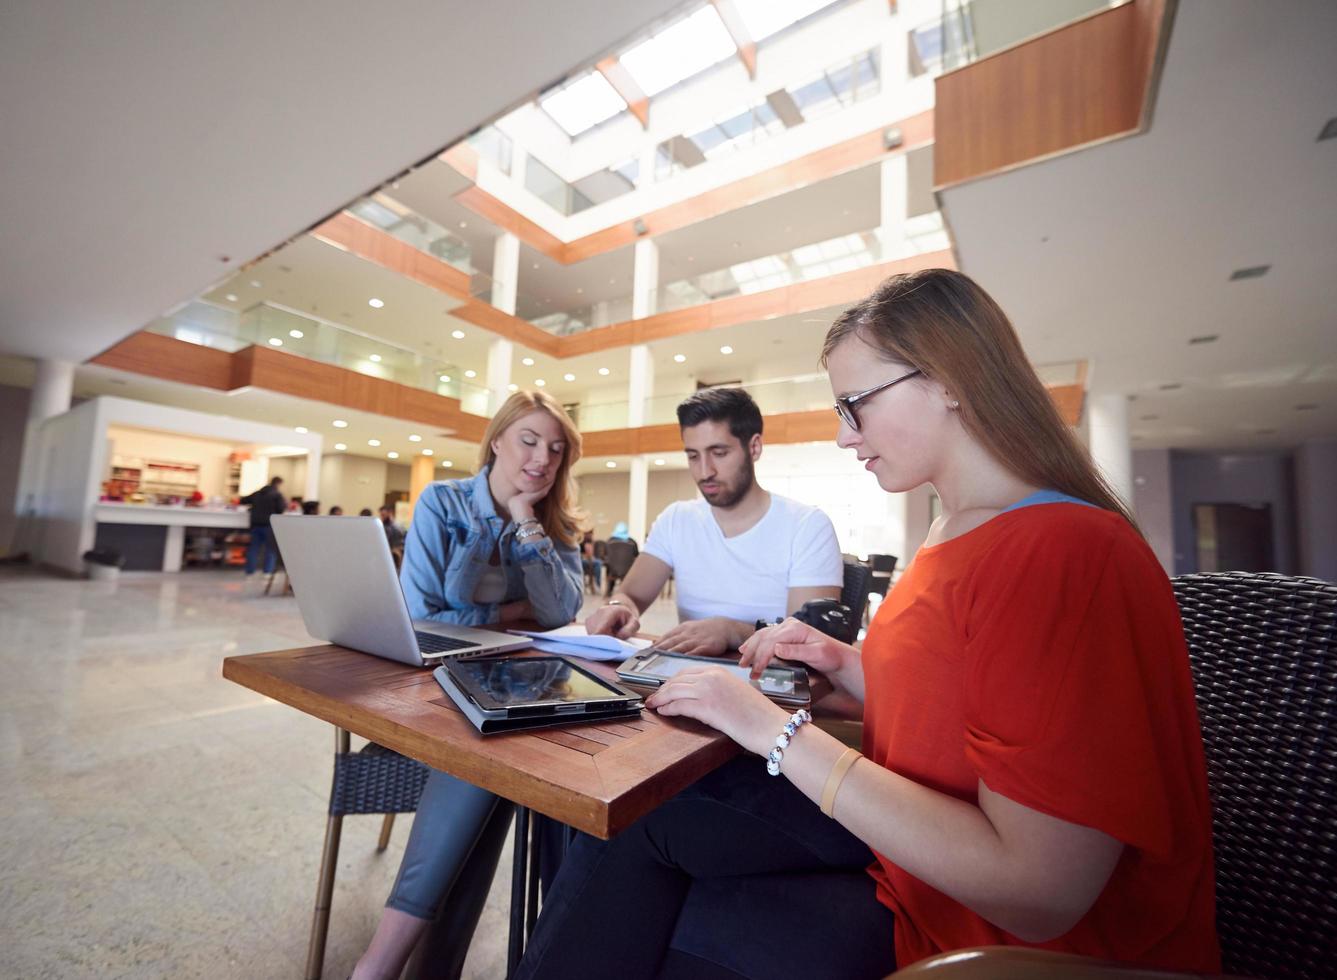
<point>433,643</point>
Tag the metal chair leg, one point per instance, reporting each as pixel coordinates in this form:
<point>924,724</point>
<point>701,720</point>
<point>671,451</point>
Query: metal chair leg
<point>384,841</point>
<point>320,921</point>
<point>516,943</point>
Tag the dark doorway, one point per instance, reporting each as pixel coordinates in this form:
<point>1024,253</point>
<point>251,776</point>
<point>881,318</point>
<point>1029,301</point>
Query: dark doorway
<point>1234,538</point>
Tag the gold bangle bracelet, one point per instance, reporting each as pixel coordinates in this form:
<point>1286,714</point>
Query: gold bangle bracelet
<point>835,778</point>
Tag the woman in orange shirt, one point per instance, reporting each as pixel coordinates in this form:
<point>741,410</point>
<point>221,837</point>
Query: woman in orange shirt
<point>1032,769</point>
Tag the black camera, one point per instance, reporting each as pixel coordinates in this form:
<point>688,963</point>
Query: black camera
<point>832,617</point>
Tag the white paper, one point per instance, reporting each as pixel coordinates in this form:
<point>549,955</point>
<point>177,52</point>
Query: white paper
<point>573,640</point>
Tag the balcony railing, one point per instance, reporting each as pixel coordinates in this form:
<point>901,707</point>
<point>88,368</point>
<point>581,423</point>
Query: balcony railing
<point>774,396</point>
<point>280,328</point>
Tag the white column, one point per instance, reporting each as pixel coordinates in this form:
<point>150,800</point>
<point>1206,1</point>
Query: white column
<point>1110,445</point>
<point>891,229</point>
<point>641,381</point>
<point>646,176</point>
<point>52,389</point>
<point>505,285</point>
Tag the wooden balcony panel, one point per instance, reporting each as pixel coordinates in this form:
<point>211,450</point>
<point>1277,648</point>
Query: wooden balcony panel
<point>1068,399</point>
<point>370,243</point>
<point>1080,84</point>
<point>746,307</point>
<point>600,338</point>
<point>505,325</point>
<point>157,356</point>
<point>504,216</point>
<point>671,324</point>
<point>819,425</point>
<point>666,438</point>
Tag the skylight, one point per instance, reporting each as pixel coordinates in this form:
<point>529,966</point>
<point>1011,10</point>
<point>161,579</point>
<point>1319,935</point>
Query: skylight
<point>765,17</point>
<point>584,103</point>
<point>689,46</point>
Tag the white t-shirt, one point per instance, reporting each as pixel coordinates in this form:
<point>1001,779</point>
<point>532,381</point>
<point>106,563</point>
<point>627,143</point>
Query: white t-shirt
<point>746,577</point>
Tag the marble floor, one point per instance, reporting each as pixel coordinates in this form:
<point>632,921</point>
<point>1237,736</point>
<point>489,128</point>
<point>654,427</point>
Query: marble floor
<point>158,820</point>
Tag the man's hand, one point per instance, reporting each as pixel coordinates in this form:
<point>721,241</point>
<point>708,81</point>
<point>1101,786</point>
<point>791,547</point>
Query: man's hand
<point>796,641</point>
<point>704,637</point>
<point>616,620</point>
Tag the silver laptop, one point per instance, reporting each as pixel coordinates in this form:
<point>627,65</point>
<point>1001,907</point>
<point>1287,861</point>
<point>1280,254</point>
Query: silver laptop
<point>344,578</point>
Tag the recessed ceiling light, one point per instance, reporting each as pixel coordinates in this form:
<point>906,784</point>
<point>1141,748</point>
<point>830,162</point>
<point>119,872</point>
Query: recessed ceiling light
<point>1207,338</point>
<point>471,374</point>
<point>536,265</point>
<point>726,349</point>
<point>1250,272</point>
<point>611,465</point>
<point>659,462</point>
<point>539,382</point>
<point>296,334</point>
<point>512,387</point>
<point>445,379</point>
<point>1329,130</point>
<point>680,357</point>
<point>691,258</point>
<point>231,297</point>
<point>375,303</point>
<point>568,377</point>
<point>737,244</point>
<point>301,428</point>
<point>527,361</point>
<point>427,452</point>
<point>612,282</point>
<point>464,224</point>
<point>579,290</point>
<point>275,342</point>
<point>415,438</point>
<point>339,424</point>
<point>457,334</point>
<point>603,371</point>
<point>1172,386</point>
<point>256,284</point>
<point>339,446</point>
<point>392,454</point>
<point>375,358</point>
<point>373,442</point>
<point>448,463</point>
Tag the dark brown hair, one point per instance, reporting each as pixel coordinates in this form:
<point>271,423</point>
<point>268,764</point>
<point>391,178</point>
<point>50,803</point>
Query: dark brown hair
<point>944,324</point>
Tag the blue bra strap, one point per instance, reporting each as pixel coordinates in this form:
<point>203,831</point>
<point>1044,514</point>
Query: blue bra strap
<point>1046,497</point>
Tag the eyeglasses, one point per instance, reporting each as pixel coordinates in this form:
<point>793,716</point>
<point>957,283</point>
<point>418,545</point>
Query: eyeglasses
<point>845,403</point>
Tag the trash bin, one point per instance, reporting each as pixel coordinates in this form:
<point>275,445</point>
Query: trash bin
<point>104,564</point>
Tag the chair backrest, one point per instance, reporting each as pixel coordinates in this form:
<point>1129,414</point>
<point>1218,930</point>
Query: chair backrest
<point>620,556</point>
<point>1264,654</point>
<point>882,563</point>
<point>601,550</point>
<point>855,591</point>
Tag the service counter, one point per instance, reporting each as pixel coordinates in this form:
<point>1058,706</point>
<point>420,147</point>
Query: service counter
<point>153,536</point>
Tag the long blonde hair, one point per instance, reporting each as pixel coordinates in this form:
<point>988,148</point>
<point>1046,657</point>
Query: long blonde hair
<point>944,324</point>
<point>557,511</point>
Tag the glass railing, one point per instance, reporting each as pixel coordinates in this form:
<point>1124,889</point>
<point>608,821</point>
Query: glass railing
<point>271,325</point>
<point>774,396</point>
<point>967,30</point>
<point>564,322</point>
<point>424,234</point>
<point>494,146</point>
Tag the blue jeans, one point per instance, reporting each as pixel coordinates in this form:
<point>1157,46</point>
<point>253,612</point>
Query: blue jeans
<point>261,538</point>
<point>739,875</point>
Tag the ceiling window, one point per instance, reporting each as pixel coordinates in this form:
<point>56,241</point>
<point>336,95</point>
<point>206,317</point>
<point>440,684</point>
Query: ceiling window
<point>583,104</point>
<point>766,17</point>
<point>691,45</point>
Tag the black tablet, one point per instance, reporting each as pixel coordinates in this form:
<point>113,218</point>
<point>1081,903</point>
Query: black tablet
<point>535,687</point>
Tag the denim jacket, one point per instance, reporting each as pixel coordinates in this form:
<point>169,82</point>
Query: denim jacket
<point>454,531</point>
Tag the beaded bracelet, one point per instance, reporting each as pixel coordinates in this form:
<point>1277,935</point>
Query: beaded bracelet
<point>796,721</point>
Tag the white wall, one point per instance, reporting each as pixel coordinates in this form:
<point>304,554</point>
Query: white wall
<point>1153,503</point>
<point>1315,493</point>
<point>1251,479</point>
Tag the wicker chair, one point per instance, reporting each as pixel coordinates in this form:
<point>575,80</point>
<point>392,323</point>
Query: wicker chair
<point>372,780</point>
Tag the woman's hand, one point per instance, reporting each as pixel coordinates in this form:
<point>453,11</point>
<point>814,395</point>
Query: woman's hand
<point>723,701</point>
<point>510,612</point>
<point>522,505</point>
<point>792,640</point>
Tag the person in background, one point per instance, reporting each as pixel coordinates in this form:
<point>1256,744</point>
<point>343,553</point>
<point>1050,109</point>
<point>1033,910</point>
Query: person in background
<point>294,506</point>
<point>1032,770</point>
<point>311,508</point>
<point>336,511</point>
<point>364,512</point>
<point>622,554</point>
<point>264,504</point>
<point>394,531</point>
<point>500,547</point>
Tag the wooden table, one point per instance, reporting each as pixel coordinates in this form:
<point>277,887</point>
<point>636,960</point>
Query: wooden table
<point>598,778</point>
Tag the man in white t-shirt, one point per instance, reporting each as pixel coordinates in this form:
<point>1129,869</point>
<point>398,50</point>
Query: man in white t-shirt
<point>739,555</point>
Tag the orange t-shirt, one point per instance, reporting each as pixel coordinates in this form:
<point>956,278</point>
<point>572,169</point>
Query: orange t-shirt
<point>1043,653</point>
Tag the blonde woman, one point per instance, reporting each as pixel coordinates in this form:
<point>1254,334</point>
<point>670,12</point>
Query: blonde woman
<point>500,547</point>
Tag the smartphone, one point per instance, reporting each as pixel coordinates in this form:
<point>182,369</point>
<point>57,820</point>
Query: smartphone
<point>783,684</point>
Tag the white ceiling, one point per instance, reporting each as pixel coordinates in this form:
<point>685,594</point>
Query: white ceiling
<point>1122,253</point>
<point>149,150</point>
